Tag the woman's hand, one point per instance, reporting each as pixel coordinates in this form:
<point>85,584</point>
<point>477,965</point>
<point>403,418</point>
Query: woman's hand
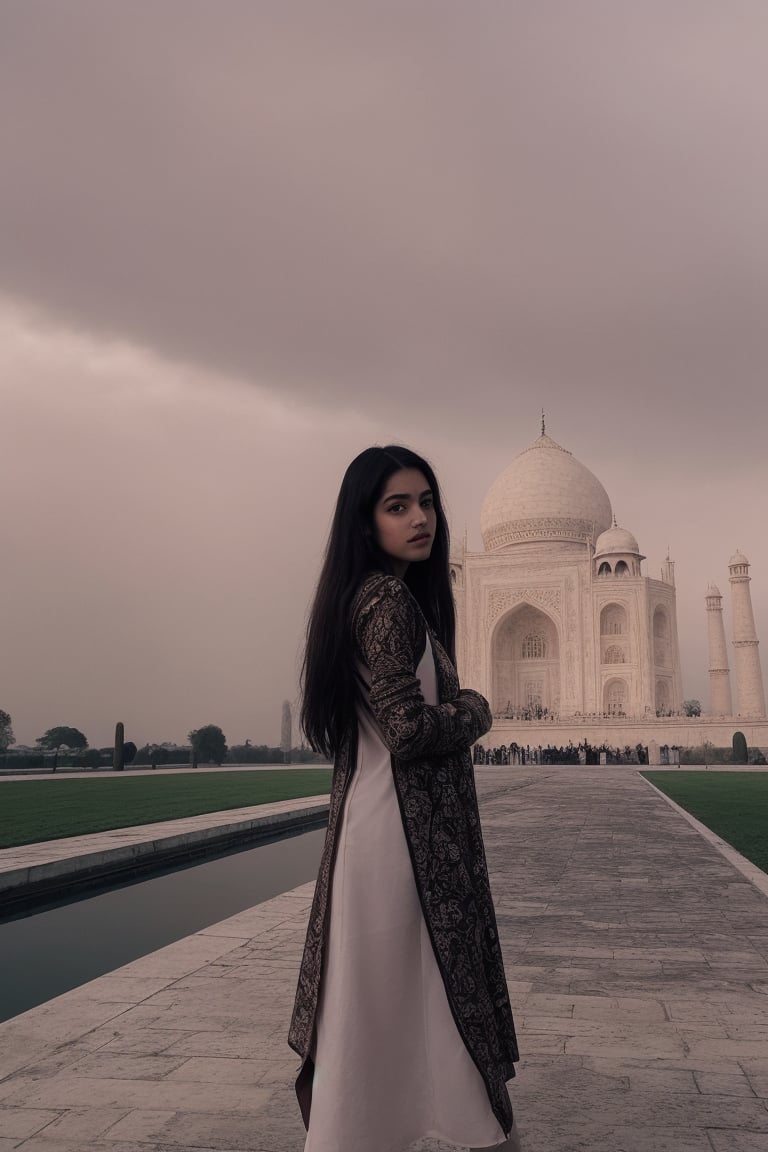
<point>476,705</point>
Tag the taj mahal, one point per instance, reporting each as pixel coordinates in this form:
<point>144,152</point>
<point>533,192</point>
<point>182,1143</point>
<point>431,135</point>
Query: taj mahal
<point>559,627</point>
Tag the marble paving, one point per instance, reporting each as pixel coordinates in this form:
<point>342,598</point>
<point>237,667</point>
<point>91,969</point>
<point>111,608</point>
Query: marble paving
<point>637,962</point>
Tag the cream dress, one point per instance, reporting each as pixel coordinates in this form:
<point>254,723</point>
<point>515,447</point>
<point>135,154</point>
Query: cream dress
<point>390,1065</point>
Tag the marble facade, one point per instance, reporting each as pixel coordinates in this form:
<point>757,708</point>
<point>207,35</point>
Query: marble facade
<point>557,624</point>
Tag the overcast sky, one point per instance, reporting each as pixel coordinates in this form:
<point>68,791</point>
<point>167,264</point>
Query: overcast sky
<point>239,242</point>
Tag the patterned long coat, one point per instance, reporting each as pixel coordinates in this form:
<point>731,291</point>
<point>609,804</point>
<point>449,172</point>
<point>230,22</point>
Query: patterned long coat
<point>435,788</point>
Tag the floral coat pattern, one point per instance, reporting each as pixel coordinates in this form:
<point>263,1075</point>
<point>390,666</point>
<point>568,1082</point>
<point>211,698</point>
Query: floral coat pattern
<point>435,787</point>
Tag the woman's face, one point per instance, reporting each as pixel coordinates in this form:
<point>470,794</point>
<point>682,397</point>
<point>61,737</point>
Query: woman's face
<point>404,519</point>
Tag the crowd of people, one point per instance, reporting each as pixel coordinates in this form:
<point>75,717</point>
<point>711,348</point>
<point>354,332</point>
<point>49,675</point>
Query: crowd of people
<point>536,713</point>
<point>532,712</point>
<point>583,753</point>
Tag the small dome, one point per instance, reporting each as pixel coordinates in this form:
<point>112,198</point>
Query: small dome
<point>545,494</point>
<point>713,590</point>
<point>737,558</point>
<point>616,540</point>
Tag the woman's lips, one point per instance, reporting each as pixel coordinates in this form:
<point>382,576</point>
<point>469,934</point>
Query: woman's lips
<point>420,539</point>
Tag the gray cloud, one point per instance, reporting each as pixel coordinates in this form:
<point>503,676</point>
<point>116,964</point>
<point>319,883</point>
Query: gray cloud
<point>163,527</point>
<point>257,237</point>
<point>363,203</point>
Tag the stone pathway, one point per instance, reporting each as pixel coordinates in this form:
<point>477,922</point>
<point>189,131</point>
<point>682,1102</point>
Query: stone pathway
<point>637,961</point>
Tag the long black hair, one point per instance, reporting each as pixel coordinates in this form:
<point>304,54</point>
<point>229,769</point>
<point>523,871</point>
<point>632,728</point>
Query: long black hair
<point>328,685</point>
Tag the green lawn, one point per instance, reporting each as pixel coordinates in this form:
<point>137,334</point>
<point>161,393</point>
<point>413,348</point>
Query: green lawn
<point>733,804</point>
<point>33,810</point>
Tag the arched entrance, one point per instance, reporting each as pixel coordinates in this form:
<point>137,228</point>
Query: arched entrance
<point>661,646</point>
<point>616,697</point>
<point>525,664</point>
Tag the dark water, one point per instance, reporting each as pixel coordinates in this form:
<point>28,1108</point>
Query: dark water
<point>61,946</point>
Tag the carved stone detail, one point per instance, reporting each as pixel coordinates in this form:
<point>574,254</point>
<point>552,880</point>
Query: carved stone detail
<point>570,609</point>
<point>500,600</point>
<point>540,528</point>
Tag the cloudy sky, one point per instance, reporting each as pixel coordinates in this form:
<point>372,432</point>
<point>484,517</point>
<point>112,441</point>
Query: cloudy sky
<point>240,241</point>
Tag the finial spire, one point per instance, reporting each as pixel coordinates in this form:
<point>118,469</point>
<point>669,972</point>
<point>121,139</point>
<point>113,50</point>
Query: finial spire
<point>614,521</point>
<point>543,427</point>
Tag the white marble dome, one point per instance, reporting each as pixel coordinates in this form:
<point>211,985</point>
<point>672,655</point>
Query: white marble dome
<point>737,558</point>
<point>616,540</point>
<point>544,495</point>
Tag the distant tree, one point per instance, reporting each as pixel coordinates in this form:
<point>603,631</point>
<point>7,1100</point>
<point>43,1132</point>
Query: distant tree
<point>208,744</point>
<point>243,754</point>
<point>129,752</point>
<point>69,737</point>
<point>305,755</point>
<point>6,731</point>
<point>254,754</point>
<point>153,754</point>
<point>692,707</point>
<point>91,758</point>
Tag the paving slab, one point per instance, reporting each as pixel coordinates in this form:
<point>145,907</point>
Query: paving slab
<point>637,965</point>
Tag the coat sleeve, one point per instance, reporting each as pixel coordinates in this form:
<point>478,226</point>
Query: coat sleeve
<point>387,632</point>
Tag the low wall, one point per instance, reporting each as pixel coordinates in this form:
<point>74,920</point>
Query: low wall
<point>685,731</point>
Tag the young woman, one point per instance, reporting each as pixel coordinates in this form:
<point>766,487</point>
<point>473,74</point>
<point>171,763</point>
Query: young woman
<point>402,1016</point>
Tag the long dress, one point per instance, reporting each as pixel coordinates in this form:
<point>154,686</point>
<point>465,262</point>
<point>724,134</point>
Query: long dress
<point>390,1065</point>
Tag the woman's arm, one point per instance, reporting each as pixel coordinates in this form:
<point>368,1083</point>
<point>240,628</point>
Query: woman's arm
<point>387,632</point>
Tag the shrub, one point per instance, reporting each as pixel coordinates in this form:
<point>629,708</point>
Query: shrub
<point>91,758</point>
<point>705,754</point>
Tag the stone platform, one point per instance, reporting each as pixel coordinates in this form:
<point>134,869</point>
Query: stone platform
<point>617,732</point>
<point>637,962</point>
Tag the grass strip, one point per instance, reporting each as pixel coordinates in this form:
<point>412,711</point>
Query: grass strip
<point>734,805</point>
<point>35,810</point>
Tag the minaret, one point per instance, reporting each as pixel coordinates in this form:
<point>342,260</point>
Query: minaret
<point>750,696</point>
<point>286,731</point>
<point>668,571</point>
<point>719,674</point>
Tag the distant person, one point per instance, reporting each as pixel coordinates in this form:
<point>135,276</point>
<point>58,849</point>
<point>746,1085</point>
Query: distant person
<point>400,1040</point>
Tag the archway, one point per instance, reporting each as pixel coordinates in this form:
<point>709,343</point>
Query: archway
<point>614,634</point>
<point>660,637</point>
<point>525,663</point>
<point>613,620</point>
<point>615,697</point>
